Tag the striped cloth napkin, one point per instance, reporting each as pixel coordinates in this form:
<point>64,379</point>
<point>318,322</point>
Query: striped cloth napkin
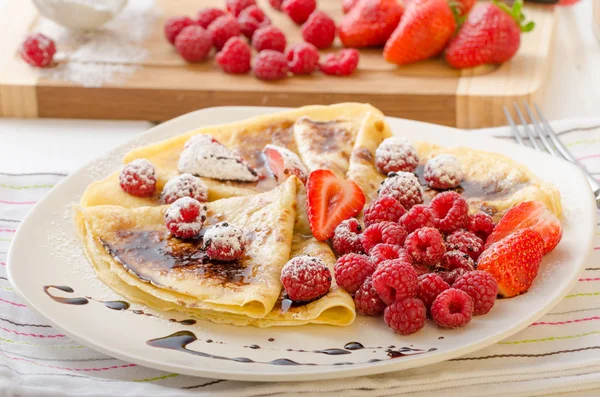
<point>558,353</point>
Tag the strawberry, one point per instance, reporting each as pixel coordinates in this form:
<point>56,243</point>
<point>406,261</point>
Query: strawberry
<point>283,163</point>
<point>491,34</point>
<point>331,200</point>
<point>533,214</point>
<point>425,29</point>
<point>347,5</point>
<point>462,7</point>
<point>369,23</point>
<point>514,261</point>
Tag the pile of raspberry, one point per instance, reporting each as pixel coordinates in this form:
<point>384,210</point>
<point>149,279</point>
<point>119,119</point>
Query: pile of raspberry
<point>243,27</point>
<point>412,261</point>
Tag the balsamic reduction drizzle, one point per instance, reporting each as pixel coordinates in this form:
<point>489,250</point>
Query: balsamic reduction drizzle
<point>179,340</point>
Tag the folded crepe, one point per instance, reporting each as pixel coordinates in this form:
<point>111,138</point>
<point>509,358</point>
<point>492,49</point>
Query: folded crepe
<point>132,251</point>
<point>492,183</point>
<point>322,136</point>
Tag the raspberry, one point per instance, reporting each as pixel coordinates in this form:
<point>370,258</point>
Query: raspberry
<point>193,43</point>
<point>224,242</point>
<point>444,171</point>
<point>417,217</point>
<point>481,287</point>
<point>451,211</point>
<point>235,56</point>
<point>451,276</point>
<point>302,58</point>
<point>457,260</point>
<point>174,26</point>
<point>466,242</point>
<point>206,16</point>
<point>305,278</point>
<point>222,29</point>
<point>384,208</point>
<point>269,38</point>
<point>405,317</point>
<point>38,50</point>
<point>299,10</point>
<point>385,252</point>
<point>351,270</point>
<point>276,4</point>
<point>396,154</point>
<point>404,187</point>
<point>237,6</point>
<point>425,246</point>
<point>481,224</point>
<point>138,178</point>
<point>319,30</point>
<point>429,287</point>
<point>395,281</point>
<point>383,232</point>
<point>184,185</point>
<point>341,64</point>
<point>346,238</point>
<point>185,217</point>
<point>251,19</point>
<point>347,5</point>
<point>366,299</point>
<point>270,65</point>
<point>453,308</point>
<point>421,269</point>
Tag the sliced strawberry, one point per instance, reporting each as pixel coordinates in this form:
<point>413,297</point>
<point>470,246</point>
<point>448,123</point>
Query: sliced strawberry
<point>283,163</point>
<point>514,261</point>
<point>331,200</point>
<point>533,214</point>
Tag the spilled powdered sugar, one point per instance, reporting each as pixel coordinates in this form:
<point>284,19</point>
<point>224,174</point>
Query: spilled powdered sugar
<point>108,55</point>
<point>203,156</point>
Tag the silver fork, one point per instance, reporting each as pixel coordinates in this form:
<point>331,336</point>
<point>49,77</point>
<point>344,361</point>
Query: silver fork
<point>548,140</point>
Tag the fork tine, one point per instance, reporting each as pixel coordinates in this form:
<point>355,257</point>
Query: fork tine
<point>540,132</point>
<point>559,146</point>
<point>513,127</point>
<point>526,128</point>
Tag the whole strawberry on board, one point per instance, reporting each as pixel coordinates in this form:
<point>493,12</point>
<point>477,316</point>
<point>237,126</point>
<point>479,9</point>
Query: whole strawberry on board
<point>424,31</point>
<point>490,35</point>
<point>370,23</point>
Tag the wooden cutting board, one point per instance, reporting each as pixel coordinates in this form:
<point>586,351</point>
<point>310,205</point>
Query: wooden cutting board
<point>165,86</point>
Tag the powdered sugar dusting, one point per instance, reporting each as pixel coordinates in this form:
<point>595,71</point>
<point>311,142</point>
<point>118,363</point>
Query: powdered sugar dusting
<point>444,171</point>
<point>139,173</point>
<point>184,185</point>
<point>204,156</point>
<point>225,239</point>
<point>108,55</point>
<point>396,154</point>
<point>297,267</point>
<point>291,162</point>
<point>404,187</point>
<point>185,227</point>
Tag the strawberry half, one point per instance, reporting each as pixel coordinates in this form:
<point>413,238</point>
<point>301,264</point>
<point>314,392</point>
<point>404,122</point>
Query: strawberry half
<point>532,214</point>
<point>283,163</point>
<point>331,200</point>
<point>514,261</point>
<point>369,23</point>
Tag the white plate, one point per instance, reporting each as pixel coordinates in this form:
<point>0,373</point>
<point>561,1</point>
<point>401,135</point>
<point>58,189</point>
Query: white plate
<point>44,251</point>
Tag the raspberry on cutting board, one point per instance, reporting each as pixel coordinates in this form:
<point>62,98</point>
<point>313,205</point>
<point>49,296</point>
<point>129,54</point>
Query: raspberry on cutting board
<point>222,29</point>
<point>269,38</point>
<point>299,10</point>
<point>174,26</point>
<point>206,16</point>
<point>319,30</point>
<point>344,63</point>
<point>251,19</point>
<point>193,43</point>
<point>302,58</point>
<point>270,65</point>
<point>235,56</point>
<point>38,50</point>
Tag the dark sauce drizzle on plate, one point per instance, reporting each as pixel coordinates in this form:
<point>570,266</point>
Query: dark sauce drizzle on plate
<point>179,341</point>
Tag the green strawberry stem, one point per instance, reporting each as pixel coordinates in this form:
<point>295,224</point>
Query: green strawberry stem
<point>517,15</point>
<point>456,8</point>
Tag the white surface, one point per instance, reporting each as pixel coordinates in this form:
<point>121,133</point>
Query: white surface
<point>56,145</point>
<point>48,227</point>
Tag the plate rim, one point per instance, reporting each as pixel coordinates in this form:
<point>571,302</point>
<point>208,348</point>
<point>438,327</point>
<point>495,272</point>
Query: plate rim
<point>324,373</point>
